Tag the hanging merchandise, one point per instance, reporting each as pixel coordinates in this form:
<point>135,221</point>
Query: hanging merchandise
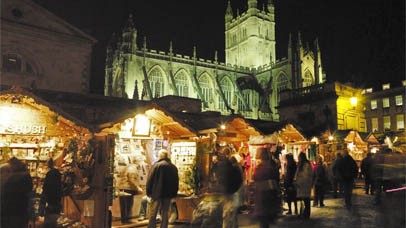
<point>184,158</point>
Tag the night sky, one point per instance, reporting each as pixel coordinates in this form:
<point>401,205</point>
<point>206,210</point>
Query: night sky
<point>361,41</point>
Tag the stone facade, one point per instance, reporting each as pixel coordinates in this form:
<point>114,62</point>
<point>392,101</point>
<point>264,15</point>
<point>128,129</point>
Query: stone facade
<point>248,83</point>
<point>40,50</point>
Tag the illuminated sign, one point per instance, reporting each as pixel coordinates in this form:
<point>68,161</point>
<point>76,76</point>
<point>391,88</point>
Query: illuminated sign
<point>24,130</point>
<point>142,125</point>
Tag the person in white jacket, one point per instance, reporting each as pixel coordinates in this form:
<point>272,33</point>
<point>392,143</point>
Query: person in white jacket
<point>303,181</point>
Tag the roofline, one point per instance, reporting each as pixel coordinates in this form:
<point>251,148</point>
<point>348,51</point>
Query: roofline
<point>19,90</point>
<point>62,21</point>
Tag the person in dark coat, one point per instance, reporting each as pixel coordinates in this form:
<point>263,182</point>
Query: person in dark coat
<point>16,189</point>
<point>51,196</point>
<point>366,172</point>
<point>348,171</point>
<point>336,181</point>
<point>290,189</point>
<point>304,183</point>
<point>162,186</point>
<point>320,183</point>
<point>266,190</point>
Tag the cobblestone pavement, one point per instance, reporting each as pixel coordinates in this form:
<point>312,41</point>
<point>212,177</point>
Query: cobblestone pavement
<point>363,214</point>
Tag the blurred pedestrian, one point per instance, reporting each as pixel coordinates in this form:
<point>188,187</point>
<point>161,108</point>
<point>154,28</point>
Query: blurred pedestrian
<point>348,171</point>
<point>290,189</point>
<point>129,186</point>
<point>51,197</point>
<point>378,163</point>
<point>366,172</point>
<point>214,174</point>
<point>15,196</point>
<point>303,181</point>
<point>162,186</point>
<point>266,190</point>
<point>336,181</point>
<point>320,181</point>
<point>236,179</point>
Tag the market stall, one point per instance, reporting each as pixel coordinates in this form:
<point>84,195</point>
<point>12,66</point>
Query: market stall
<point>285,139</point>
<point>137,141</point>
<point>340,140</point>
<point>33,131</point>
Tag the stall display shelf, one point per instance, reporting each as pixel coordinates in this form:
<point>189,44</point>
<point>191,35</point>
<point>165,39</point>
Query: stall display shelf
<point>183,156</point>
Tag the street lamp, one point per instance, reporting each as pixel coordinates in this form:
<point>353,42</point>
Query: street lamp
<point>353,101</point>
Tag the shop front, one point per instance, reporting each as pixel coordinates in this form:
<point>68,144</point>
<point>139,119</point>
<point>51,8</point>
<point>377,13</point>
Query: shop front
<point>340,141</point>
<point>137,140</point>
<point>285,139</point>
<point>34,131</point>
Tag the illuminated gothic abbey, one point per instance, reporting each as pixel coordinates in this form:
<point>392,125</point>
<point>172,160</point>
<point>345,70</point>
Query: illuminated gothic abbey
<point>248,83</point>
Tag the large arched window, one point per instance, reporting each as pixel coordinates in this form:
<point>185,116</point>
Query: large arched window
<point>227,88</point>
<point>308,79</point>
<point>157,83</point>
<point>117,77</point>
<point>246,97</point>
<point>182,84</point>
<point>207,88</point>
<point>282,82</point>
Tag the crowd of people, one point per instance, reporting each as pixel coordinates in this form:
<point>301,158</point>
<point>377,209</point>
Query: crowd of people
<point>301,183</point>
<point>227,180</point>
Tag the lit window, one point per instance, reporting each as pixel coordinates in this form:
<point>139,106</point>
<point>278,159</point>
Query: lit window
<point>374,124</point>
<point>207,89</point>
<point>308,79</point>
<point>11,62</point>
<point>386,122</point>
<point>226,87</point>
<point>399,100</point>
<point>400,121</point>
<point>385,86</point>
<point>246,97</point>
<point>157,83</point>
<point>182,84</point>
<point>385,102</point>
<point>374,104</point>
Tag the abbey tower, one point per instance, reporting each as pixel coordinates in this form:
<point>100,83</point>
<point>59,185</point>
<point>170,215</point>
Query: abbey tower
<point>247,83</point>
<point>250,37</point>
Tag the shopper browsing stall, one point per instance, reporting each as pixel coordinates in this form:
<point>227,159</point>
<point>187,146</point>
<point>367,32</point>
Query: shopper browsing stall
<point>50,204</point>
<point>129,186</point>
<point>162,186</point>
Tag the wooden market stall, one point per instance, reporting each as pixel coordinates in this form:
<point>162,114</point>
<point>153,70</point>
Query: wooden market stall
<point>215,133</point>
<point>284,137</point>
<point>138,136</point>
<point>340,140</point>
<point>33,131</point>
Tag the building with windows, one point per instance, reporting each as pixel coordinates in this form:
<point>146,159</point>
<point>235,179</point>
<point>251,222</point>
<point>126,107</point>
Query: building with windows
<point>385,108</point>
<point>329,106</point>
<point>39,49</point>
<point>248,83</point>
